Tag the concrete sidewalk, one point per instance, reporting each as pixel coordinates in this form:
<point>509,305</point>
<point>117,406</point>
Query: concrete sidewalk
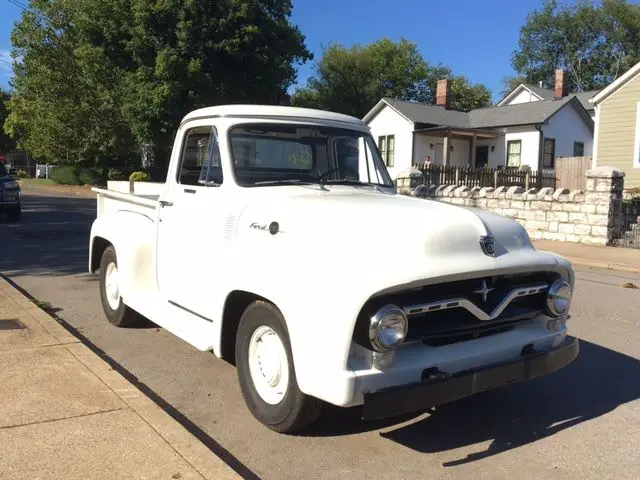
<point>611,258</point>
<point>65,413</point>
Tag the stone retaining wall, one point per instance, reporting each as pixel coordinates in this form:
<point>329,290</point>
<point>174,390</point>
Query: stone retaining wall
<point>569,216</point>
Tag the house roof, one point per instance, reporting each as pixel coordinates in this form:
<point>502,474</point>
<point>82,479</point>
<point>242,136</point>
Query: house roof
<point>617,84</point>
<point>424,113</point>
<point>527,113</point>
<point>549,94</point>
<point>519,114</point>
<point>543,93</point>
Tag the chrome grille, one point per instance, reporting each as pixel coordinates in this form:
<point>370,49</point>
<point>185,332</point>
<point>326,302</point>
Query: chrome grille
<point>450,312</point>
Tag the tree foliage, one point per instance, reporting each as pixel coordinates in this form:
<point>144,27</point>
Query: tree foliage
<point>594,43</point>
<point>97,80</point>
<point>6,143</point>
<point>352,80</point>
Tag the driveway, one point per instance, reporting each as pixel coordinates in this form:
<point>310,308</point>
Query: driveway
<point>582,422</point>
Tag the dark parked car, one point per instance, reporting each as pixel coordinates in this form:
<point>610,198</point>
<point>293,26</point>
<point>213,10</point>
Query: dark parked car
<point>9,195</point>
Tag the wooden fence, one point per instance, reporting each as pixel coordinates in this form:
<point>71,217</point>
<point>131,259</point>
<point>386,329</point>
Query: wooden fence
<point>484,177</point>
<point>572,172</point>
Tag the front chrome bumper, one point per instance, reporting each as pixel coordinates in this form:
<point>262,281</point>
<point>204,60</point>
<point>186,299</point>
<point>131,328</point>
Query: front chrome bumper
<point>437,389</point>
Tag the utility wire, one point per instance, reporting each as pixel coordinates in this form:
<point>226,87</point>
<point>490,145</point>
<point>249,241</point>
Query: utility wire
<point>19,4</point>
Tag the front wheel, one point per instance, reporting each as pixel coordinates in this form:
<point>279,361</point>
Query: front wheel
<point>115,310</point>
<point>266,373</point>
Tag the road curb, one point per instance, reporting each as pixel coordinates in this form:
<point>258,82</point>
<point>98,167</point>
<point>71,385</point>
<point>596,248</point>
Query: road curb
<point>205,461</point>
<point>583,262</point>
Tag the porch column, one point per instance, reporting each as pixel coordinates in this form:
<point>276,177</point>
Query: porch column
<point>472,151</point>
<point>445,150</point>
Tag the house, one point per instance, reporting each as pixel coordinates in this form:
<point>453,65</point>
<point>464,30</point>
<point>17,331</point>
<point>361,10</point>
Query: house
<point>531,133</point>
<point>617,126</point>
<point>529,93</point>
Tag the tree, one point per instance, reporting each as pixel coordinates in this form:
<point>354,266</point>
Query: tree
<point>594,44</point>
<point>6,143</point>
<point>467,96</point>
<point>97,80</point>
<point>352,80</point>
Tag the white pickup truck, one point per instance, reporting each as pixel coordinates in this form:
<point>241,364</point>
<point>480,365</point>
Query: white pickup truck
<point>279,243</point>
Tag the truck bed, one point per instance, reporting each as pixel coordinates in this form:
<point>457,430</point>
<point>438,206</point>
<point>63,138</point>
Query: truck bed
<point>117,196</point>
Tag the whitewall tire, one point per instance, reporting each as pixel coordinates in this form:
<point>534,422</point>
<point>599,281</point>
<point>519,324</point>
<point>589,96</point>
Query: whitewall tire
<point>115,310</point>
<point>266,372</point>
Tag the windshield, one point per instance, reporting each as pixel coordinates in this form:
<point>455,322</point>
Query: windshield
<point>271,154</point>
<point>3,170</point>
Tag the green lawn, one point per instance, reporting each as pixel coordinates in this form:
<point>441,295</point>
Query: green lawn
<point>37,181</point>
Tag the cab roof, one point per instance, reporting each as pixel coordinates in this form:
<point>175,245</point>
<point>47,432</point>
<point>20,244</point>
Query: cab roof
<point>272,111</point>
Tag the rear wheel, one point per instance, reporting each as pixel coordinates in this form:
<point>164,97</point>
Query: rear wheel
<point>115,310</point>
<point>266,373</point>
<point>14,214</point>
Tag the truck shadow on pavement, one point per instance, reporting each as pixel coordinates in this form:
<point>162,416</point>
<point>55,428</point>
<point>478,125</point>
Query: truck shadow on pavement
<point>51,238</point>
<point>597,383</point>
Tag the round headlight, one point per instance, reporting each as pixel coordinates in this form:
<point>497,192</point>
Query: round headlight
<point>388,328</point>
<point>558,298</point>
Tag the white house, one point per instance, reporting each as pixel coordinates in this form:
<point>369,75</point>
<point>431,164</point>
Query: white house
<point>524,93</point>
<point>524,133</point>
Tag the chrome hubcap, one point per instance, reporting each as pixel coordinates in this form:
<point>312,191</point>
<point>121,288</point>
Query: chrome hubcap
<point>111,287</point>
<point>268,365</point>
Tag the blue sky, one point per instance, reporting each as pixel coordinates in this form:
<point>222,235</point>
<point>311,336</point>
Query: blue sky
<point>473,37</point>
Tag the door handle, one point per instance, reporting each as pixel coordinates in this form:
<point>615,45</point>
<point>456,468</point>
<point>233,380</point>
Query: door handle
<point>165,203</point>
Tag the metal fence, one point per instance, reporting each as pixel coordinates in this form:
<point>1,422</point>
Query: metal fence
<point>485,177</point>
<point>625,231</point>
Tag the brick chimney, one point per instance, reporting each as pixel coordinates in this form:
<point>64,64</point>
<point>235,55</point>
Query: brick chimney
<point>561,84</point>
<point>442,93</point>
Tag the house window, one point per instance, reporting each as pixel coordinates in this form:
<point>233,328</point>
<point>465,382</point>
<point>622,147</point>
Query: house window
<point>578,149</point>
<point>514,153</point>
<point>387,146</point>
<point>549,153</point>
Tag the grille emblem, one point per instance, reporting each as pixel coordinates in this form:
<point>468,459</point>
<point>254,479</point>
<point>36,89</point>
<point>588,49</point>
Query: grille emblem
<point>484,291</point>
<point>487,243</point>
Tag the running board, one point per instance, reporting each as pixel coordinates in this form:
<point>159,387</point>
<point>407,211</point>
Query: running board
<point>193,329</point>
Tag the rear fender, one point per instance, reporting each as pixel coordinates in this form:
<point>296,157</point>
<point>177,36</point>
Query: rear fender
<point>133,236</point>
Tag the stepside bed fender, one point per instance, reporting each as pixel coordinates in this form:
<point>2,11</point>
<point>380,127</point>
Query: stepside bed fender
<point>133,236</point>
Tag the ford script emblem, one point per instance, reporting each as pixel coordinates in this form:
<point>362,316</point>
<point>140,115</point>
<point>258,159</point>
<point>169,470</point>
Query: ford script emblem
<point>488,245</point>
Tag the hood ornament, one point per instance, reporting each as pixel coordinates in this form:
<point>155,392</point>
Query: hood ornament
<point>484,291</point>
<point>488,245</point>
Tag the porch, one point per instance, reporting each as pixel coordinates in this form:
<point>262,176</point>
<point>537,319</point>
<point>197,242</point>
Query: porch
<point>458,147</point>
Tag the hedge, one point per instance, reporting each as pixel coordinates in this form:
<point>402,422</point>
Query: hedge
<point>73,175</point>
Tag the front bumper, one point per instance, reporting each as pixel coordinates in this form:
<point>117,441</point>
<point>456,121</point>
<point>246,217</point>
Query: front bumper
<point>447,388</point>
<point>9,201</point>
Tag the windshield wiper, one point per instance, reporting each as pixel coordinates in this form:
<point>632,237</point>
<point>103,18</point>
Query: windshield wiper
<point>285,182</point>
<point>377,186</point>
<point>345,181</point>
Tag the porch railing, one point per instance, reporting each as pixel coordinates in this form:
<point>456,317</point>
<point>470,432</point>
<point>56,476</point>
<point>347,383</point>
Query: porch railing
<point>485,177</point>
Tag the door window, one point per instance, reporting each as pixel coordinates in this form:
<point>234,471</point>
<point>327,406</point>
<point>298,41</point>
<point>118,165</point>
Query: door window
<point>200,162</point>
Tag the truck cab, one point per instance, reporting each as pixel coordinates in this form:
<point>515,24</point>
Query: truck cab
<point>279,243</point>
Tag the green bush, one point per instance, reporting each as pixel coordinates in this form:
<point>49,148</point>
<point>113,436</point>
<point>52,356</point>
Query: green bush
<point>139,177</point>
<point>22,174</point>
<point>73,175</point>
<point>115,174</point>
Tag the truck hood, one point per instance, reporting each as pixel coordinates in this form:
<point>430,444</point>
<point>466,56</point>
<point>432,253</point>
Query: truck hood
<point>358,216</point>
<point>370,231</point>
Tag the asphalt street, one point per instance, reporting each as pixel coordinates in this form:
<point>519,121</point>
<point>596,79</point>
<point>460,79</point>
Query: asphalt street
<point>582,422</point>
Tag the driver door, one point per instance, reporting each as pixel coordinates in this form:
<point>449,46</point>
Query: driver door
<point>189,223</point>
